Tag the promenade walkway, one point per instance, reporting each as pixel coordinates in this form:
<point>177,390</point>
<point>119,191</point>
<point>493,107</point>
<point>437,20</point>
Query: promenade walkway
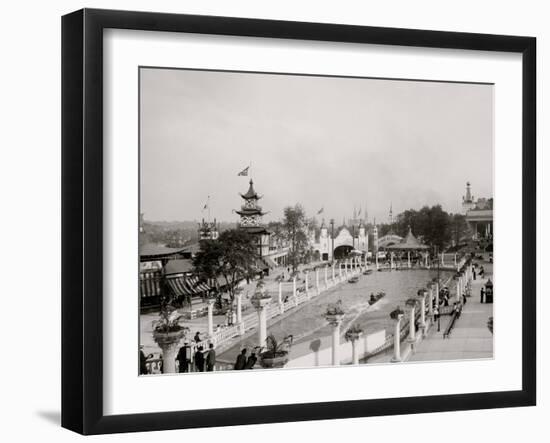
<point>469,339</point>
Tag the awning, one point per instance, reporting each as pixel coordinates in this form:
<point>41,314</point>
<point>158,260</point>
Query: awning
<point>182,286</point>
<point>150,284</point>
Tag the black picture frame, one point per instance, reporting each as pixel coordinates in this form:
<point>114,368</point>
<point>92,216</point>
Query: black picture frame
<point>82,219</point>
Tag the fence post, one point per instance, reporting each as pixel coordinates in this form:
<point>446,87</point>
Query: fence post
<point>397,340</point>
<point>210,302</point>
<point>317,289</point>
<point>281,304</point>
<point>307,284</point>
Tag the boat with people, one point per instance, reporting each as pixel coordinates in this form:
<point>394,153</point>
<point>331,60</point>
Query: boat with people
<point>374,298</point>
<point>353,279</point>
<point>367,272</point>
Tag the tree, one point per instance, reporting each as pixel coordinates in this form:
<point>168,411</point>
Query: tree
<point>233,255</point>
<point>459,228</point>
<point>432,224</point>
<point>294,224</point>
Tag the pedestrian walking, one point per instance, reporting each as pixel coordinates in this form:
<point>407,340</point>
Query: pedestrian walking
<point>210,358</point>
<point>482,294</point>
<point>241,360</point>
<point>184,357</point>
<point>199,359</point>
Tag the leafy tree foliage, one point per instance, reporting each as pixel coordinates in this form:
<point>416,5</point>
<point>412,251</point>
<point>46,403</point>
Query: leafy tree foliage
<point>232,255</point>
<point>433,225</point>
<point>294,224</point>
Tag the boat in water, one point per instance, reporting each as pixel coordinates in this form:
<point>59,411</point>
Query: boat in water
<point>353,279</point>
<point>367,272</point>
<point>375,298</point>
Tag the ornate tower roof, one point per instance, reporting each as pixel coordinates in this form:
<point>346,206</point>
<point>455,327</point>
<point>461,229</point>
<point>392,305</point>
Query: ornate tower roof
<point>251,194</point>
<point>251,213</point>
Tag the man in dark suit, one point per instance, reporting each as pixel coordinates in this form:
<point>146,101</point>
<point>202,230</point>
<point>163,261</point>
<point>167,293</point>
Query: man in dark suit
<point>210,358</point>
<point>241,360</point>
<point>199,359</point>
<point>184,357</point>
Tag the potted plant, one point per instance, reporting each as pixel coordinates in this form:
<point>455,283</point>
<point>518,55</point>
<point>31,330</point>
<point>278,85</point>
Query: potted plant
<point>335,312</point>
<point>275,353</point>
<point>167,333</point>
<point>261,297</point>
<point>394,315</point>
<point>353,333</point>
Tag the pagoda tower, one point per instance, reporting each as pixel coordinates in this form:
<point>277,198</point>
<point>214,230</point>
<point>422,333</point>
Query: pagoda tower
<point>251,219</point>
<point>208,230</point>
<point>467,200</point>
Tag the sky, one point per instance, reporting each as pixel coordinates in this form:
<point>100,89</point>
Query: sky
<point>332,143</point>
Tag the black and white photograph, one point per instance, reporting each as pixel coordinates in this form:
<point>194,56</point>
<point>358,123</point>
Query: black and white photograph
<point>294,221</point>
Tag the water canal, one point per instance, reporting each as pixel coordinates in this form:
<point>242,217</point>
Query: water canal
<point>307,322</point>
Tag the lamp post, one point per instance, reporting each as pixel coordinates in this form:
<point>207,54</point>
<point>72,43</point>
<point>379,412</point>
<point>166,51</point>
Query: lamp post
<point>332,239</point>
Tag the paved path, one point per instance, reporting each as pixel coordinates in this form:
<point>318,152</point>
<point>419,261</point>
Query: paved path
<point>469,338</point>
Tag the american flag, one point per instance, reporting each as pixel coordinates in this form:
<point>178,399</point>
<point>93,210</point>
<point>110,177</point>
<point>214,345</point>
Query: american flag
<point>244,172</point>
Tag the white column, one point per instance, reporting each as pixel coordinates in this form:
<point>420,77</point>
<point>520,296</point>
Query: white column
<point>294,293</point>
<point>408,259</point>
<point>397,340</point>
<point>458,289</point>
<point>340,271</point>
<point>211,317</point>
<point>391,260</point>
<point>262,325</point>
<point>307,284</point>
<point>376,259</point>
<point>281,303</point>
<point>423,314</point>
<point>346,267</point>
<point>354,353</point>
<point>326,277</point>
<point>239,308</point>
<point>317,289</point>
<point>437,295</point>
<point>333,273</point>
<point>335,323</point>
<point>169,351</point>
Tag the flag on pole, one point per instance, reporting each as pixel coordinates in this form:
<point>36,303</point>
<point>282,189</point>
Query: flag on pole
<point>320,211</point>
<point>244,172</point>
<point>205,207</point>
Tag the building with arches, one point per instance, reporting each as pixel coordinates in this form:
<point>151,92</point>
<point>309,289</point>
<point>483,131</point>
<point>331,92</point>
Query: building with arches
<point>333,245</point>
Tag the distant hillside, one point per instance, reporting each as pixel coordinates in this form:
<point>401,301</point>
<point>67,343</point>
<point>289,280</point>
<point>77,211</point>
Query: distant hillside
<point>176,233</point>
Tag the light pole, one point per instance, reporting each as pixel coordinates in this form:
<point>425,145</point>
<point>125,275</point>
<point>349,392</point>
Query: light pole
<point>332,239</point>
